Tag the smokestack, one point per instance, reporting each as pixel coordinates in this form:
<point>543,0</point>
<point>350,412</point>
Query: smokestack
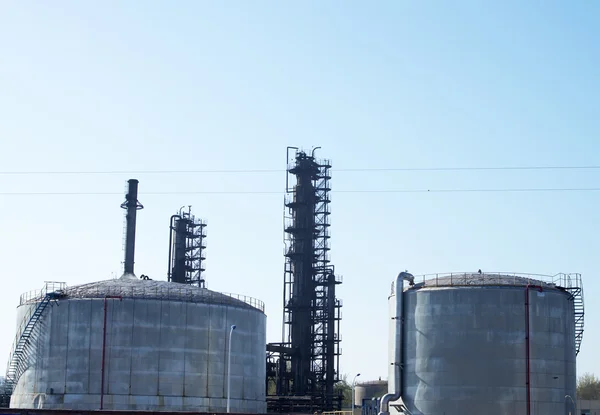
<point>132,205</point>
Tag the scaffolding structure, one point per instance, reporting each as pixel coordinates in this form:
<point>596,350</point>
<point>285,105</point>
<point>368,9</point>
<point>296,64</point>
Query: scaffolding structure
<point>303,369</point>
<point>186,249</point>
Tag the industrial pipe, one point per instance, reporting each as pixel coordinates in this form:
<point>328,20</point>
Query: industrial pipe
<point>527,348</point>
<point>572,401</point>
<point>104,349</point>
<point>287,166</point>
<point>229,367</point>
<point>171,229</point>
<point>132,205</point>
<point>395,372</point>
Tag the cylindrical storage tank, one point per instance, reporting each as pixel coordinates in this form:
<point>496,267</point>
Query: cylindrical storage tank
<point>130,344</point>
<point>488,344</point>
<point>369,390</point>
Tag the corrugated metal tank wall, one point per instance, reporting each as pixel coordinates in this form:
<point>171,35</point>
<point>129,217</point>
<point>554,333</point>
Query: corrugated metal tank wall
<point>159,355</point>
<point>369,390</point>
<point>465,350</point>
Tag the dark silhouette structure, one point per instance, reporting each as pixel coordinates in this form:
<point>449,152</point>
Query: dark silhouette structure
<point>186,249</point>
<point>303,369</point>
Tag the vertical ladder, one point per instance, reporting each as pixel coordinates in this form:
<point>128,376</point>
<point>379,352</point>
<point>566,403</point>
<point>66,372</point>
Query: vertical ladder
<point>17,362</point>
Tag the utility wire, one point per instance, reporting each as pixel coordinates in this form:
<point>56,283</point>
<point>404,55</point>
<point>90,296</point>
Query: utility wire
<point>226,171</point>
<point>475,168</point>
<point>507,190</point>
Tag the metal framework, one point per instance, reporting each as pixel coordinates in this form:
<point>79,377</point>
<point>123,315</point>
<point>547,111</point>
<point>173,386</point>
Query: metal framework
<point>22,353</point>
<point>186,249</point>
<point>304,368</point>
<point>574,285</point>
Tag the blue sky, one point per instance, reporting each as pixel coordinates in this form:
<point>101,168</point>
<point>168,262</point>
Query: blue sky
<point>129,86</point>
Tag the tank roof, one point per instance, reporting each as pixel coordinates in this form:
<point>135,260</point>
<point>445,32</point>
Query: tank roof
<point>496,279</point>
<point>147,289</point>
<point>379,382</point>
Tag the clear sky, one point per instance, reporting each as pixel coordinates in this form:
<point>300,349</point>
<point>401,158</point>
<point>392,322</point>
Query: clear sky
<point>225,85</point>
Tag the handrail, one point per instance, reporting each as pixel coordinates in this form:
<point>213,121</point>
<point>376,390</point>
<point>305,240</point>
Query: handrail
<point>254,302</point>
<point>563,280</point>
<point>172,293</point>
<point>38,295</point>
<point>49,287</point>
<point>19,346</point>
<point>20,330</point>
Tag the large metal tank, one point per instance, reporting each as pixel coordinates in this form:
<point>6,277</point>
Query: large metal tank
<point>154,345</point>
<point>369,390</point>
<point>488,344</point>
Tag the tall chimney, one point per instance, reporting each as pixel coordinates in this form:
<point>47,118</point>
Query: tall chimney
<point>132,205</point>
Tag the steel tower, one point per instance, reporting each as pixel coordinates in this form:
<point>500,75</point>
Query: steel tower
<point>186,249</point>
<point>305,366</point>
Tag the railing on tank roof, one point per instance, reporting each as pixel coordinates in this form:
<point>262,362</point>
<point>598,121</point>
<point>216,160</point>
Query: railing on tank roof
<point>38,295</point>
<point>172,293</point>
<point>254,302</point>
<point>371,382</point>
<point>452,279</point>
<point>140,291</point>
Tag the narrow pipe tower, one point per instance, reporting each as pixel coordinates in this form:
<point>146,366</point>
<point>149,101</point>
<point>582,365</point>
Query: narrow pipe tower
<point>132,205</point>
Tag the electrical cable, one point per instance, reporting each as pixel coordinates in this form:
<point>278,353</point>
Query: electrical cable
<point>245,171</point>
<point>233,192</point>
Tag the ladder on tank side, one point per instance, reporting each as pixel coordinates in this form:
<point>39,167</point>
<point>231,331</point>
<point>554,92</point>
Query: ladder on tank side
<point>21,346</point>
<point>578,309</point>
<point>575,288</point>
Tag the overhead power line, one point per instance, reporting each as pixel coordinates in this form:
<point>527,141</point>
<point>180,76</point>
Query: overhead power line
<point>234,192</point>
<point>475,168</point>
<point>251,171</point>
